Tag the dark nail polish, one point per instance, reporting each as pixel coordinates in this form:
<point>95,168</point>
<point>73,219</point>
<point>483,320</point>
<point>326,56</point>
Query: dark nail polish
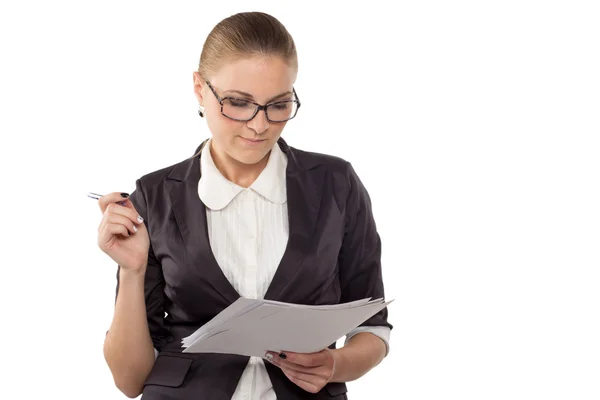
<point>282,355</point>
<point>125,195</point>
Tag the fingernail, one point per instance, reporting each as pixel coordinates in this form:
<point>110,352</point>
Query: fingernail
<point>282,355</point>
<point>134,228</point>
<point>140,219</point>
<point>125,195</point>
<point>269,356</point>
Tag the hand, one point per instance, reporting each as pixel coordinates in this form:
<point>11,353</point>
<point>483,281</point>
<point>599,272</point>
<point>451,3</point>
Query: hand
<point>310,371</point>
<point>121,235</point>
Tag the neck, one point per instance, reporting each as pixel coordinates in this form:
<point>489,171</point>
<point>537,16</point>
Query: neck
<point>239,173</point>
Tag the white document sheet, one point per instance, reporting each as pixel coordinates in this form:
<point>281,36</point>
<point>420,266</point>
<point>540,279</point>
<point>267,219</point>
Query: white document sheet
<point>253,327</point>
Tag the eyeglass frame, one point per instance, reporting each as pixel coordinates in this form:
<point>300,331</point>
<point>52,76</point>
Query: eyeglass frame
<point>259,106</point>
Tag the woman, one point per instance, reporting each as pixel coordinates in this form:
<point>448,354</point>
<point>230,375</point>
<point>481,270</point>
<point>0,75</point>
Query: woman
<point>247,215</point>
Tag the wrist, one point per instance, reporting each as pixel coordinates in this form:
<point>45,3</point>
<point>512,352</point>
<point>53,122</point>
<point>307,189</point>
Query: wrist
<point>359,355</point>
<point>126,274</point>
<point>340,360</point>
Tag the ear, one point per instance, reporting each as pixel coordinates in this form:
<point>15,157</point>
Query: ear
<point>199,86</point>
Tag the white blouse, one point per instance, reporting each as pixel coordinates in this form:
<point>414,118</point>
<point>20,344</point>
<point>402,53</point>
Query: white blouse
<point>248,233</point>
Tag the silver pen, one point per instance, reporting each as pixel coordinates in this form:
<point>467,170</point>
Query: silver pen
<point>97,197</point>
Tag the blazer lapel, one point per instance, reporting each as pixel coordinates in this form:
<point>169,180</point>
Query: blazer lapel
<point>190,214</point>
<point>303,202</point>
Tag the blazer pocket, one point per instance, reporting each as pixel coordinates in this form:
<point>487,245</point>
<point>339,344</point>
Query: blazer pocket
<point>336,388</point>
<point>169,371</point>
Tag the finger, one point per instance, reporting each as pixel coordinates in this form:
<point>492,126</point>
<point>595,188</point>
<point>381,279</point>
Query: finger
<point>115,229</point>
<point>125,211</point>
<point>113,197</point>
<point>296,367</point>
<point>307,378</point>
<point>320,371</point>
<point>281,363</point>
<point>120,219</point>
<point>305,359</point>
<point>305,382</point>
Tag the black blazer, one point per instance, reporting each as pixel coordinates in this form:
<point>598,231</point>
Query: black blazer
<point>332,256</point>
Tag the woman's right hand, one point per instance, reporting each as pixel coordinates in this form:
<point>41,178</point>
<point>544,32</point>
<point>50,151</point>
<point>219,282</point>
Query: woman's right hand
<point>117,235</point>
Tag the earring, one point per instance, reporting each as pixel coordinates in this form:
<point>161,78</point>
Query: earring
<point>201,111</point>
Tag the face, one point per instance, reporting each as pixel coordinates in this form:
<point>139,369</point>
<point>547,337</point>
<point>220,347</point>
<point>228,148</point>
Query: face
<point>263,80</point>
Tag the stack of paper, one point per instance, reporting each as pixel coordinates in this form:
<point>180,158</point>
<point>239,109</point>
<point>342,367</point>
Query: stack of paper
<point>253,327</point>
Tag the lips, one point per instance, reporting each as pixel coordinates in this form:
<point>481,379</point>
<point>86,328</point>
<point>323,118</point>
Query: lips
<point>254,140</point>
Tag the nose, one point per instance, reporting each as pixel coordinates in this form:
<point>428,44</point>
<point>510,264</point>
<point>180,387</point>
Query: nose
<point>259,123</point>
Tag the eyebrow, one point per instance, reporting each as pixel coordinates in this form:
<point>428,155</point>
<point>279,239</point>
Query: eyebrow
<point>252,97</point>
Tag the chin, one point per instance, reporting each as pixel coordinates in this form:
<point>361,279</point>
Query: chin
<point>250,157</point>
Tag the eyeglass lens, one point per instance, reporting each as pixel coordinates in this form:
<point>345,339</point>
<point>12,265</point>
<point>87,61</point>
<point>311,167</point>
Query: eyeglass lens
<point>243,110</point>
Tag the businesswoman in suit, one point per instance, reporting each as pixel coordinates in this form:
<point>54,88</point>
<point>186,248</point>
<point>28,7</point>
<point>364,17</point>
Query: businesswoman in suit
<point>246,215</point>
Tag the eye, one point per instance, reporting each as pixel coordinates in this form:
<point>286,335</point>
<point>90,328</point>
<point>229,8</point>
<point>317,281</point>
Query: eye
<point>281,106</point>
<point>238,103</point>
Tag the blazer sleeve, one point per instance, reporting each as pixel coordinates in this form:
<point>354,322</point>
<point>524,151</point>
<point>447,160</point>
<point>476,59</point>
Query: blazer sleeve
<point>360,254</point>
<point>154,282</point>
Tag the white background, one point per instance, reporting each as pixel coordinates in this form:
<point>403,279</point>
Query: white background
<point>473,124</point>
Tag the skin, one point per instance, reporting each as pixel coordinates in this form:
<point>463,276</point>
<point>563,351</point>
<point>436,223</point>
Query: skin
<point>265,78</point>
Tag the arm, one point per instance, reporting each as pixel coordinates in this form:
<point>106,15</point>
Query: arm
<point>128,347</point>
<point>360,277</point>
<point>137,326</point>
<point>361,353</point>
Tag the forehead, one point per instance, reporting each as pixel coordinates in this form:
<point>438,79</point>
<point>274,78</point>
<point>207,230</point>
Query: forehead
<point>263,77</point>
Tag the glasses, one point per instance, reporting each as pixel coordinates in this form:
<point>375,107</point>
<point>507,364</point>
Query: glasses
<point>244,110</point>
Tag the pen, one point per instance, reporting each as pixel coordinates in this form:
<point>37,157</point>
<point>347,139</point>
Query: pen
<point>97,196</point>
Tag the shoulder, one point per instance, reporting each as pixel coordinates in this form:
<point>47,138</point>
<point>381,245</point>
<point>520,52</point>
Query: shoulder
<point>308,160</point>
<point>152,187</point>
<point>340,169</point>
<point>178,171</point>
<point>155,178</point>
<point>340,175</point>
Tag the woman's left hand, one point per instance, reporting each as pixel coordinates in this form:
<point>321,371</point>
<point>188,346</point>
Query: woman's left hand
<point>310,371</point>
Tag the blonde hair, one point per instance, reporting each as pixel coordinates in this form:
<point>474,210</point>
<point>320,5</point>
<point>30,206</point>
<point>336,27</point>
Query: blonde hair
<point>243,35</point>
